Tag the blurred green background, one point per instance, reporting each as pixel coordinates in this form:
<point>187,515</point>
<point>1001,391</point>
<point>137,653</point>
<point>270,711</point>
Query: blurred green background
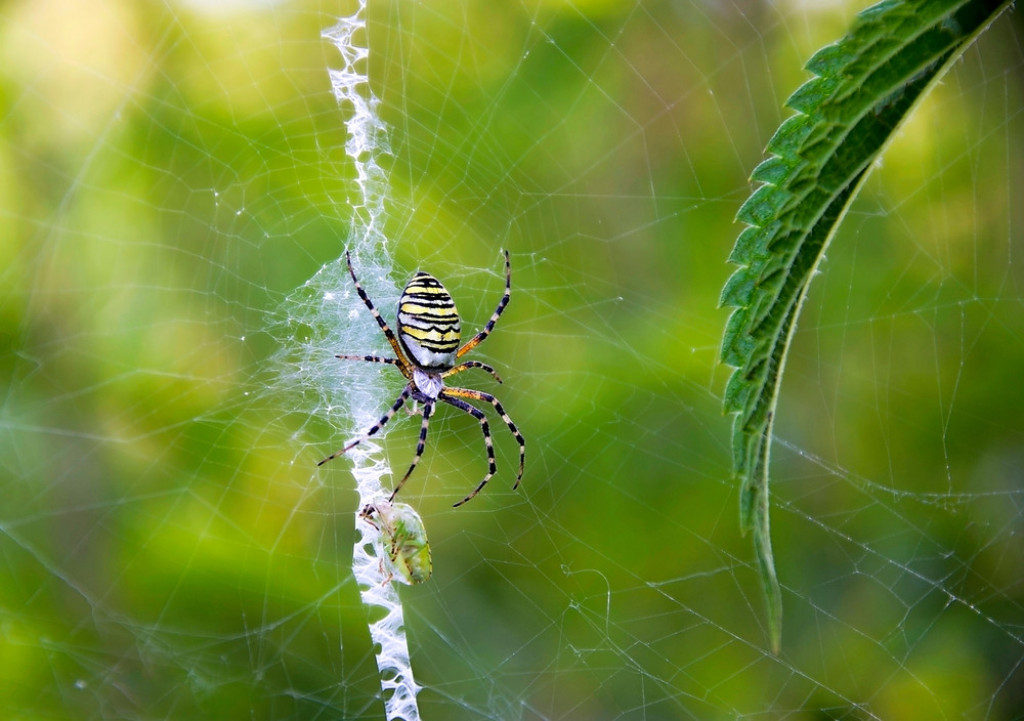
<point>170,172</point>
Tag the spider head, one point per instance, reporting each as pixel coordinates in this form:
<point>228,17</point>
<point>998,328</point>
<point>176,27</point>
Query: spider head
<point>429,384</point>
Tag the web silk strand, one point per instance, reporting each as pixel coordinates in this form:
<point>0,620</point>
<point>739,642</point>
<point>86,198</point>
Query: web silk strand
<point>367,142</point>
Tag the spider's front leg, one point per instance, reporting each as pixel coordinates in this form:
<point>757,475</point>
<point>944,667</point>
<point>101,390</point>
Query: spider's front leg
<point>488,398</point>
<point>488,441</point>
<point>428,409</point>
<point>373,429</point>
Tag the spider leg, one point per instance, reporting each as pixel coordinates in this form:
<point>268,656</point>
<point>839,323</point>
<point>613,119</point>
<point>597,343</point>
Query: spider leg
<point>466,365</point>
<point>488,398</point>
<point>374,428</point>
<point>478,414</point>
<point>380,321</point>
<point>371,359</point>
<point>428,408</point>
<point>479,337</point>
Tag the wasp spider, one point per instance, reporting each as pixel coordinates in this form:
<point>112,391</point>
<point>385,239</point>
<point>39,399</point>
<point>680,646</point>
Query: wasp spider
<point>427,349</point>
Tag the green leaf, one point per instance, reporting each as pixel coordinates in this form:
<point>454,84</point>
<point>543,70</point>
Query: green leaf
<point>864,88</point>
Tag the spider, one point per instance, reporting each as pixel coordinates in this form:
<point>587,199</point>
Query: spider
<point>427,348</point>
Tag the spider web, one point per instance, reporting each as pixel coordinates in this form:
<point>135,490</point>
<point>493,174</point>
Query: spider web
<point>175,202</point>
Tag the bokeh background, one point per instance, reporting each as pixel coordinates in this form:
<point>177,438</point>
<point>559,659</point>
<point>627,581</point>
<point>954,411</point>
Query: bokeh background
<point>170,172</point>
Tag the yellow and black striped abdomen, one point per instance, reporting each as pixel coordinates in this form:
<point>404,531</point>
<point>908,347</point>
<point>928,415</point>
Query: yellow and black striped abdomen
<point>428,323</point>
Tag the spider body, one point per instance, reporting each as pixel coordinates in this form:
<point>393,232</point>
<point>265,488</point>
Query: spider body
<point>428,323</point>
<point>427,352</point>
